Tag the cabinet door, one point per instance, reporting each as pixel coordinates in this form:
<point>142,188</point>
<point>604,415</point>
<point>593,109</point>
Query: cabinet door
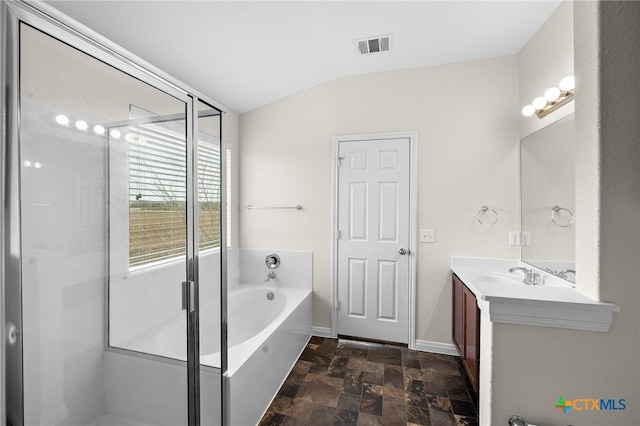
<point>471,355</point>
<point>458,315</point>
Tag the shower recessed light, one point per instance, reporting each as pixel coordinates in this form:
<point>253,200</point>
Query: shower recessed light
<point>62,119</point>
<point>81,125</point>
<point>98,129</point>
<point>37,165</point>
<point>27,163</point>
<point>115,134</point>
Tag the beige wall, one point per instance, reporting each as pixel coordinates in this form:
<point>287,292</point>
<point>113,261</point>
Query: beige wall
<point>533,366</point>
<point>466,119</point>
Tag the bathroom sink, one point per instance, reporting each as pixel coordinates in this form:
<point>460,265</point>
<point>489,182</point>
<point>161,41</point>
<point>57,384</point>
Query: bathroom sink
<point>498,278</point>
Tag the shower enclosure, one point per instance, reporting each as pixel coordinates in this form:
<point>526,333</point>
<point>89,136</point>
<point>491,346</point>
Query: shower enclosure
<point>113,229</point>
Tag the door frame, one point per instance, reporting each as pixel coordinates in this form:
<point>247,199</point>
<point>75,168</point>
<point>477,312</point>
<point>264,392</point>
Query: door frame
<point>412,136</point>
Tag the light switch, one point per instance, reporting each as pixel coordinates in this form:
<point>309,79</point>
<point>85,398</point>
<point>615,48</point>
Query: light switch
<point>427,235</point>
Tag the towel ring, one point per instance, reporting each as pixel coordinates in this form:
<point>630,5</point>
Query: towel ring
<point>483,212</point>
<point>555,210</point>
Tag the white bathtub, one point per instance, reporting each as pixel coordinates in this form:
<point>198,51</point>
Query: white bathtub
<point>265,338</point>
<point>252,318</point>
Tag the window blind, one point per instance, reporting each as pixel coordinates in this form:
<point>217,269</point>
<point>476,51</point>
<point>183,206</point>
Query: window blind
<point>157,192</point>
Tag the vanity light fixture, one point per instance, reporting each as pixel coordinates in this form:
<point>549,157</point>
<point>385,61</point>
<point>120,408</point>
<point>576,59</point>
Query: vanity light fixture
<point>553,98</point>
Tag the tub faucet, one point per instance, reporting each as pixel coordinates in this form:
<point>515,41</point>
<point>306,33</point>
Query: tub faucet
<point>530,277</point>
<point>270,276</point>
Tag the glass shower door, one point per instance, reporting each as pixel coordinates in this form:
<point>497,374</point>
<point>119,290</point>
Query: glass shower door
<point>101,257</point>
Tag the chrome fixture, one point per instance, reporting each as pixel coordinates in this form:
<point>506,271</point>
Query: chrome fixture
<point>487,216</point>
<point>12,333</point>
<point>517,421</point>
<point>530,277</point>
<point>555,215</point>
<point>250,207</point>
<point>272,261</point>
<point>564,272</point>
<point>553,98</point>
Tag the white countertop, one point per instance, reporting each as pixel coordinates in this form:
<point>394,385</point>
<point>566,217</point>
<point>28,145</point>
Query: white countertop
<point>503,297</point>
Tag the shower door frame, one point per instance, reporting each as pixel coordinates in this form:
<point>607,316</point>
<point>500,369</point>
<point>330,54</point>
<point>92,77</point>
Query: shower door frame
<point>52,22</point>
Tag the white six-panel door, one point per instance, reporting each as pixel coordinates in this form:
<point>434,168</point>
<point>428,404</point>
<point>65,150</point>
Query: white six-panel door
<point>373,216</point>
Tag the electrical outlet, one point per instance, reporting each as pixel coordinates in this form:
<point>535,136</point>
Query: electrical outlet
<point>427,236</point>
<point>525,238</point>
<point>514,238</point>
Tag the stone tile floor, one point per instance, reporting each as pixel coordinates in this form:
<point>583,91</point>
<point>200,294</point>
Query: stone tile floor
<point>347,382</point>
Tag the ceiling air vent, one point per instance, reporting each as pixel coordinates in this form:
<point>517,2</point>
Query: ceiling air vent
<point>370,45</point>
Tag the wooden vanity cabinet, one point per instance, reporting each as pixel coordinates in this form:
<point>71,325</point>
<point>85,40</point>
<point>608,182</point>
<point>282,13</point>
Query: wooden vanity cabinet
<point>466,329</point>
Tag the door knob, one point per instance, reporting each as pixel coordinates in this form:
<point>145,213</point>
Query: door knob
<point>402,251</point>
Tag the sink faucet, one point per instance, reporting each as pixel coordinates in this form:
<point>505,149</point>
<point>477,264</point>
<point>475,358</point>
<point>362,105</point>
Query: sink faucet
<point>270,276</point>
<point>530,277</point>
<point>564,272</point>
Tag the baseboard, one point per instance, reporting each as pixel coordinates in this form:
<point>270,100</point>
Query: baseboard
<point>421,345</point>
<point>437,347</point>
<point>322,332</point>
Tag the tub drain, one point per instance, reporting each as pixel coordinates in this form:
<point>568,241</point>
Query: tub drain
<point>270,295</point>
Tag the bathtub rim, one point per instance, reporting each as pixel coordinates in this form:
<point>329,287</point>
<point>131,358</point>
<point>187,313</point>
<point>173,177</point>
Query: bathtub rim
<point>299,297</point>
<point>255,342</point>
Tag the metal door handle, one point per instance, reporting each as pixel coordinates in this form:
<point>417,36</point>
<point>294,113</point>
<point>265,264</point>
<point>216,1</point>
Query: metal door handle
<point>403,251</point>
<point>188,296</point>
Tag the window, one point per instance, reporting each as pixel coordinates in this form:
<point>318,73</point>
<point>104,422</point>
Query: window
<point>157,192</point>
<point>209,194</point>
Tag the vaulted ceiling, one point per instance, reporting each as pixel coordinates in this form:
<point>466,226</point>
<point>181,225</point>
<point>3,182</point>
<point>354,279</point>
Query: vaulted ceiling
<point>246,54</point>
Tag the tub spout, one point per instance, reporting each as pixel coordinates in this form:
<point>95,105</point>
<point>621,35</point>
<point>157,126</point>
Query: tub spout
<point>270,276</point>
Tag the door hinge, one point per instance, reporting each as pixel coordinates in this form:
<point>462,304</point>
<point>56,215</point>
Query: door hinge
<point>337,305</point>
<point>339,161</point>
<point>338,234</point>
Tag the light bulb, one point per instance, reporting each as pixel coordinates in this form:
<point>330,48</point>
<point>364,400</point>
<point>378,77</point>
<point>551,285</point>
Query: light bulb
<point>62,119</point>
<point>539,102</point>
<point>81,125</point>
<point>37,164</point>
<point>568,83</point>
<point>552,94</point>
<point>528,111</point>
<point>98,129</point>
<point>115,134</point>
<point>27,163</point>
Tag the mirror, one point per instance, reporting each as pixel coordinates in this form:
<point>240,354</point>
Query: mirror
<point>547,159</point>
